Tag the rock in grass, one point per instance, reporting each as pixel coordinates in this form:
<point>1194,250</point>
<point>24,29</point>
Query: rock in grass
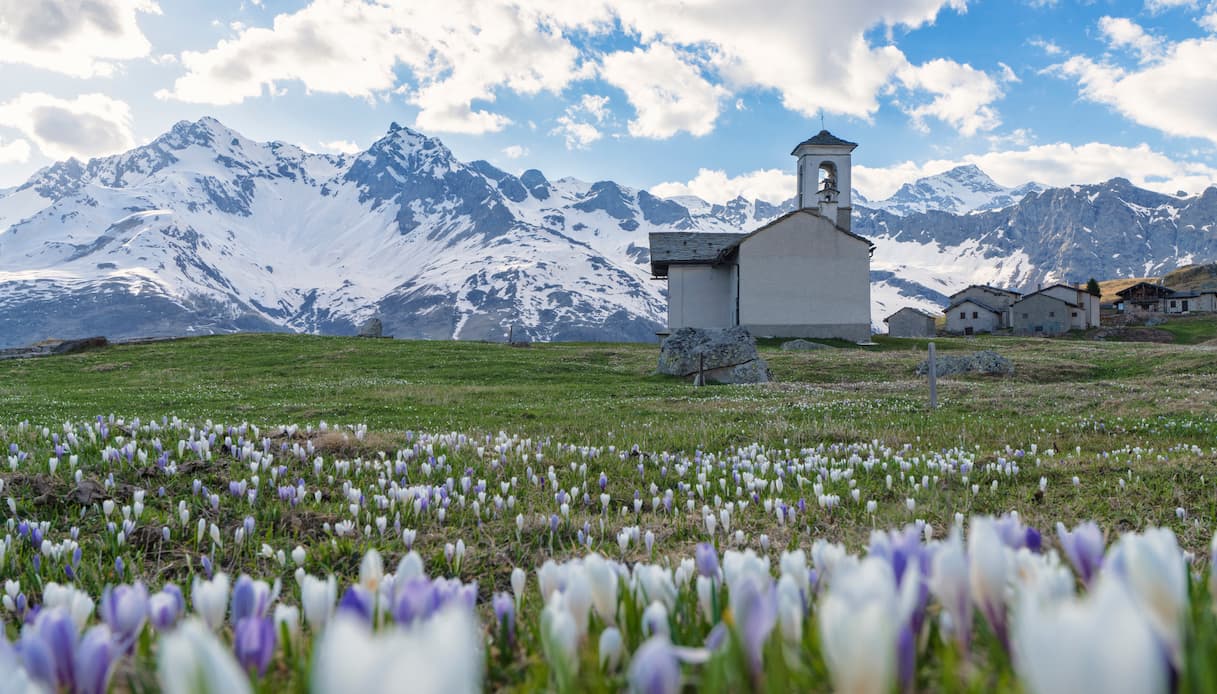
<point>803,346</point>
<point>983,362</point>
<point>728,355</point>
<point>372,328</point>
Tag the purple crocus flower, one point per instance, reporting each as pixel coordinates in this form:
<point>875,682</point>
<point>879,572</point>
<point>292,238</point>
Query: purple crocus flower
<point>125,609</point>
<point>505,614</point>
<point>415,600</point>
<point>1083,547</point>
<point>48,646</point>
<point>654,668</point>
<point>166,607</point>
<point>755,606</point>
<point>250,598</point>
<point>706,559</point>
<point>94,660</point>
<point>358,602</point>
<point>254,643</point>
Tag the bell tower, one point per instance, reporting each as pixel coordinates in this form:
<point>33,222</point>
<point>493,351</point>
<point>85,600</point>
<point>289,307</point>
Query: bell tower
<point>824,180</point>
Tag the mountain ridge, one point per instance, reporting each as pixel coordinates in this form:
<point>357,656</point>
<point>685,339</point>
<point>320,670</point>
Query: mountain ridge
<point>203,230</point>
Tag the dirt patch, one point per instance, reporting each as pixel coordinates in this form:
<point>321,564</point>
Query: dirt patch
<point>1133,334</point>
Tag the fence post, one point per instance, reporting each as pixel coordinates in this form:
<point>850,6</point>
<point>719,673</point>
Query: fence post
<point>933,370</point>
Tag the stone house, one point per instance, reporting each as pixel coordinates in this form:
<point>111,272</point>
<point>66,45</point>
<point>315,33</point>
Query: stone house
<point>1086,314</point>
<point>911,322</point>
<point>804,274</point>
<point>1191,302</point>
<point>1044,314</point>
<point>987,309</point>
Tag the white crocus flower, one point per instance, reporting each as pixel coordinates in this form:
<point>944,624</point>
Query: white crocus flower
<point>949,584</point>
<point>1152,566</point>
<point>191,660</point>
<point>860,618</point>
<point>790,609</point>
<point>440,654</point>
<point>1100,643</point>
<point>559,635</point>
<point>611,649</point>
<point>210,600</point>
<point>371,572</point>
<point>602,578</point>
<point>989,566</point>
<point>317,598</point>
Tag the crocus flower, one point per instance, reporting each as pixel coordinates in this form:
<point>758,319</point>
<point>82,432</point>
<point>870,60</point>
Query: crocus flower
<point>655,668</point>
<point>317,597</point>
<point>1083,547</point>
<point>252,598</point>
<point>440,654</point>
<point>210,599</point>
<point>1151,566</point>
<point>166,607</point>
<point>611,648</point>
<point>949,583</point>
<point>505,614</point>
<point>559,635</point>
<point>754,604</point>
<point>790,610</point>
<point>603,580</point>
<point>1100,643</point>
<point>706,558</point>
<point>860,620</point>
<point>16,679</point>
<point>94,659</point>
<point>191,660</point>
<point>358,602</point>
<point>125,609</point>
<point>77,603</point>
<point>988,571</point>
<point>254,642</point>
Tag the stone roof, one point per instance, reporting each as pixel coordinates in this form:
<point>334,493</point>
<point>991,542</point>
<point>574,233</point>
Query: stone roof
<point>925,314</point>
<point>683,247</point>
<point>987,288</point>
<point>974,302</point>
<point>825,139</point>
<point>1041,295</point>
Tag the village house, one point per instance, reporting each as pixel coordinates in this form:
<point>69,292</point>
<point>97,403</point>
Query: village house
<point>805,274</point>
<point>911,322</point>
<point>1192,302</point>
<point>979,309</point>
<point>1143,297</point>
<point>1055,310</point>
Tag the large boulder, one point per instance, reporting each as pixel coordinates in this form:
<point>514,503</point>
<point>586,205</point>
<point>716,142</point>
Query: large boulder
<point>983,362</point>
<point>727,355</point>
<point>803,346</point>
<point>372,328</point>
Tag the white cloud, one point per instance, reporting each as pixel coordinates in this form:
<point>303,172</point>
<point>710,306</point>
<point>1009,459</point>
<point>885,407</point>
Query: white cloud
<point>341,146</point>
<point>1057,164</point>
<point>1048,47</point>
<point>515,151</point>
<point>1122,32</point>
<point>86,126</point>
<point>961,95</point>
<point>1160,5</point>
<point>80,38</point>
<point>714,185</point>
<point>462,53</point>
<point>576,124</point>
<point>1174,92</point>
<point>14,152</point>
<point>668,94</point>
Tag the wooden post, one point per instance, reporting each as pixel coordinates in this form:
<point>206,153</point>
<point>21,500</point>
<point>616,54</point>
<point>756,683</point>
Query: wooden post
<point>701,371</point>
<point>933,371</point>
<point>510,329</point>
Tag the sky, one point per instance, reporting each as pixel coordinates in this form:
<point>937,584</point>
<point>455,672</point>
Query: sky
<point>703,97</point>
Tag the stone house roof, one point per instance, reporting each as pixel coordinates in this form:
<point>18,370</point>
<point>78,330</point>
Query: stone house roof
<point>974,302</point>
<point>687,248</point>
<point>987,288</point>
<point>925,314</point>
<point>825,139</point>
<point>1034,295</point>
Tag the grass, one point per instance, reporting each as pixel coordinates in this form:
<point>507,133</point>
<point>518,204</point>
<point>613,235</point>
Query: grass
<point>1121,433</point>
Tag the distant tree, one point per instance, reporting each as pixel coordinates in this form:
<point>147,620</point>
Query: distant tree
<point>1092,287</point>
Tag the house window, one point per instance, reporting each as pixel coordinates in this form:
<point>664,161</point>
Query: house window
<point>1039,328</point>
<point>1172,304</point>
<point>975,314</point>
<point>1075,314</point>
<point>963,314</point>
<point>1026,315</point>
<point>1052,314</point>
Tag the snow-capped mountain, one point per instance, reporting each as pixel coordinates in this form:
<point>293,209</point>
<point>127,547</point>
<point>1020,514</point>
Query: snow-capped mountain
<point>203,230</point>
<point>961,190</point>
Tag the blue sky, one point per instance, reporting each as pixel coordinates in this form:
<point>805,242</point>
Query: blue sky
<point>696,96</point>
